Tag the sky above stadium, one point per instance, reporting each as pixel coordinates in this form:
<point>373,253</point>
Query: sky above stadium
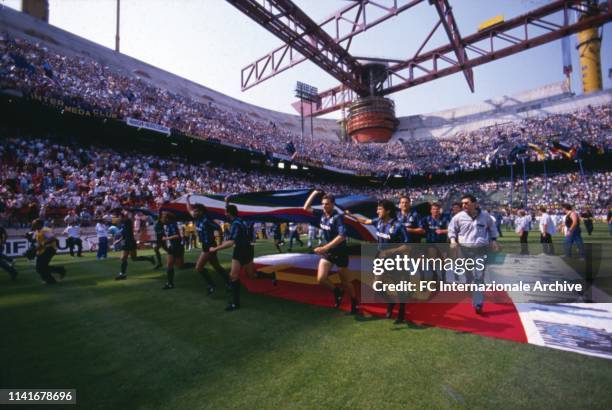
<point>209,41</point>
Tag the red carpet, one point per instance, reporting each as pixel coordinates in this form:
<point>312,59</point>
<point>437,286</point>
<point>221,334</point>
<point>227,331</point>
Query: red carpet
<point>500,318</point>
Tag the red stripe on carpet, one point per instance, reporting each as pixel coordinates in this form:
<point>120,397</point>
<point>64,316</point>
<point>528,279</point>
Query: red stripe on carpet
<point>500,319</point>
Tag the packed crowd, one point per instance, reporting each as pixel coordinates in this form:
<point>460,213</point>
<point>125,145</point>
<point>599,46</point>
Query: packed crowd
<point>34,69</point>
<point>41,178</point>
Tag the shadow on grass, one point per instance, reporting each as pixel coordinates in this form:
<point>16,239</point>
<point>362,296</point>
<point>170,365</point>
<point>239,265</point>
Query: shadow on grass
<point>364,318</point>
<point>408,325</point>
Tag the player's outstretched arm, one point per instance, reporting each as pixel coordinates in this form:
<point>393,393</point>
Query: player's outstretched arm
<point>189,207</point>
<point>310,200</point>
<point>358,218</point>
<point>224,245</point>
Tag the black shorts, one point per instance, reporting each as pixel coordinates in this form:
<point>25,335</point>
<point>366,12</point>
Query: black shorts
<point>129,246</point>
<point>161,244</point>
<point>206,247</point>
<point>278,238</point>
<point>244,255</point>
<point>178,251</point>
<point>340,259</point>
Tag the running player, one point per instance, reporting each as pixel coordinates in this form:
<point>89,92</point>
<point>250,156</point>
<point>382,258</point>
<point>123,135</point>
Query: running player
<point>174,246</point>
<point>411,220</point>
<point>388,230</point>
<point>128,245</point>
<point>436,225</point>
<point>436,228</point>
<point>158,228</point>
<point>335,251</point>
<point>206,228</point>
<point>242,256</point>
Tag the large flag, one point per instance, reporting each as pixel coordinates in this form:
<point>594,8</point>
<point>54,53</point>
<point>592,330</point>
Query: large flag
<point>564,149</point>
<point>538,150</point>
<point>215,205</point>
<point>278,206</point>
<point>287,206</point>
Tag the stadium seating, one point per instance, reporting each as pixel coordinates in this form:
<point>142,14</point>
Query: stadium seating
<point>40,177</point>
<point>35,71</point>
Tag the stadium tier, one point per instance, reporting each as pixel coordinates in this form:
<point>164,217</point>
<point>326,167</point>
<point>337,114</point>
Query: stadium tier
<point>55,68</point>
<point>60,69</point>
<point>166,246</point>
<point>44,178</point>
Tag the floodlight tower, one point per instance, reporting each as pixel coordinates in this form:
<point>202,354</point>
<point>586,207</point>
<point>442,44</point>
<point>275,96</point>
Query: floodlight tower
<point>310,94</point>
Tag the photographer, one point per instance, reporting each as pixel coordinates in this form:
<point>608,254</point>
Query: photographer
<point>46,247</point>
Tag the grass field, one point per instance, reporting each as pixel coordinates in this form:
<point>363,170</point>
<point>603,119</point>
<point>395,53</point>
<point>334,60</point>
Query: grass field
<point>129,344</point>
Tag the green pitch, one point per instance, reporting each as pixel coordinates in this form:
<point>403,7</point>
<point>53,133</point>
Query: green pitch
<point>129,345</point>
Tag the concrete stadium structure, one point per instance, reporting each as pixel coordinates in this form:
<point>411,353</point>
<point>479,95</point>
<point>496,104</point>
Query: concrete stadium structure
<point>552,98</point>
<point>549,99</point>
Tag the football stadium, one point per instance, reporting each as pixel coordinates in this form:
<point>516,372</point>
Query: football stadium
<point>305,204</point>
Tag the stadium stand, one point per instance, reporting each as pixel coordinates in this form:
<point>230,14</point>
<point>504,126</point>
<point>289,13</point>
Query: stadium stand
<point>42,178</point>
<point>57,66</point>
<point>45,178</point>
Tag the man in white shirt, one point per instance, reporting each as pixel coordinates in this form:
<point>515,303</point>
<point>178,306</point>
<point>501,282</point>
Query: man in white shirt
<point>547,230</point>
<point>102,234</point>
<point>474,230</point>
<point>313,234</point>
<point>523,225</point>
<point>74,239</point>
<point>294,234</point>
